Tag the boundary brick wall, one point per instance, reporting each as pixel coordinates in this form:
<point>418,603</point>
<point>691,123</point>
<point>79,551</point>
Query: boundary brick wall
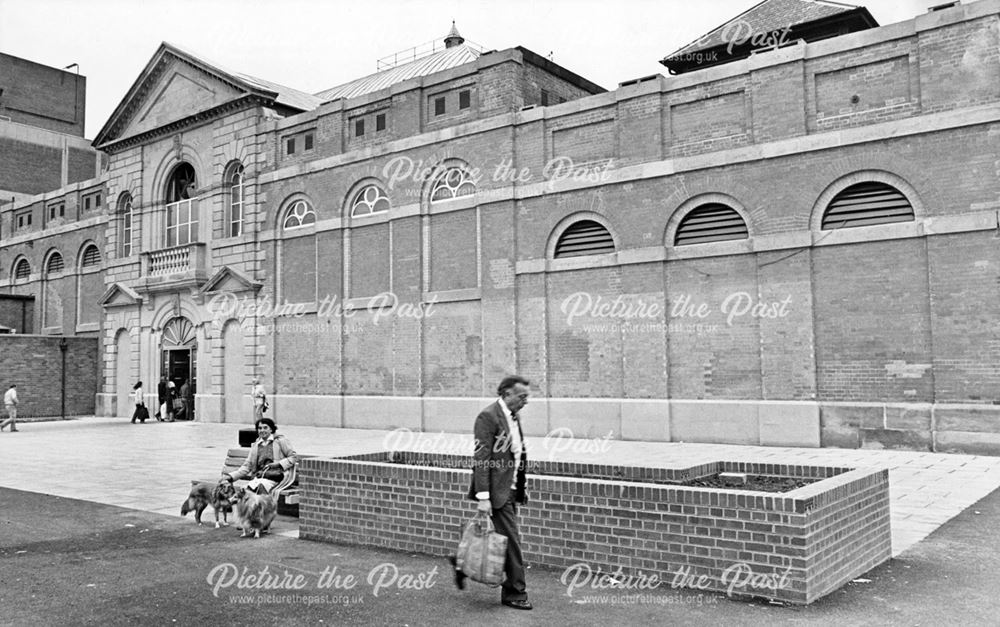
<point>34,364</point>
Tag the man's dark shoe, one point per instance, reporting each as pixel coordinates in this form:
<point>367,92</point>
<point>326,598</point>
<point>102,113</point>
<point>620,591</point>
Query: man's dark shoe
<point>518,604</point>
<point>459,575</point>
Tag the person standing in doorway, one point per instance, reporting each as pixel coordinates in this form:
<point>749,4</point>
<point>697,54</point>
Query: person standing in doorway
<point>184,412</point>
<point>10,403</point>
<point>161,399</point>
<point>259,400</point>
<point>171,401</point>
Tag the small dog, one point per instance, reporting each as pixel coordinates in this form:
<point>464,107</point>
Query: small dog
<point>254,511</point>
<point>217,495</point>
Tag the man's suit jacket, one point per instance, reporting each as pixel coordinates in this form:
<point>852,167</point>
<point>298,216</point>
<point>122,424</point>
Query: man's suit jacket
<point>493,468</point>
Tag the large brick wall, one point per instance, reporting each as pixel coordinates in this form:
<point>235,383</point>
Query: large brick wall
<point>860,337</point>
<point>35,364</point>
<point>36,169</point>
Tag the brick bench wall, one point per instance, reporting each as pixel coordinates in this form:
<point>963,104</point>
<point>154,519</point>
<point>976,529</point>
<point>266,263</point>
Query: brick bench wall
<point>817,537</point>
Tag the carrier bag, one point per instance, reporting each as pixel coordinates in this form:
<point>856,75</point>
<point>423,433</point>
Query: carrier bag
<point>482,551</point>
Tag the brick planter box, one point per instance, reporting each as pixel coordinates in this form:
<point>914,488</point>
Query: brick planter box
<point>634,522</point>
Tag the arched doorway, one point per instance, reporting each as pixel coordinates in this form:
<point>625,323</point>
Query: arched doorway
<point>179,350</point>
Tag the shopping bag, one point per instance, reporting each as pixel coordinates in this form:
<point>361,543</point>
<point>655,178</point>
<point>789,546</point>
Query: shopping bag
<point>482,551</point>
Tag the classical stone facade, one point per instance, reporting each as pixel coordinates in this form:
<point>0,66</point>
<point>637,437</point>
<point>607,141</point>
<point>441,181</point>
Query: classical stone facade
<point>794,248</point>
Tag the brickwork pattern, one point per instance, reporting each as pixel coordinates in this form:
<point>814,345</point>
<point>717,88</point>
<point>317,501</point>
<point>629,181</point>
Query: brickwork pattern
<point>35,169</point>
<point>817,537</point>
<point>34,363</point>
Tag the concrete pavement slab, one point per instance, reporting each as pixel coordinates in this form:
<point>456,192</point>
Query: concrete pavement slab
<point>149,466</point>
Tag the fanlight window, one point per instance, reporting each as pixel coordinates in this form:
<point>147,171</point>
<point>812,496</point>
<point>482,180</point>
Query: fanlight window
<point>91,257</point>
<point>182,184</point>
<point>867,204</point>
<point>370,200</point>
<point>22,270</point>
<point>298,215</point>
<point>179,332</point>
<point>712,222</point>
<point>55,265</point>
<point>454,183</point>
<point>585,237</point>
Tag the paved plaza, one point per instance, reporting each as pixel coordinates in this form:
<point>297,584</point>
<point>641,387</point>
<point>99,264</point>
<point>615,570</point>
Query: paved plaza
<point>149,466</point>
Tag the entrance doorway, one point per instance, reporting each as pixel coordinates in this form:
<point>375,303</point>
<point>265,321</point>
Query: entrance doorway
<point>180,365</point>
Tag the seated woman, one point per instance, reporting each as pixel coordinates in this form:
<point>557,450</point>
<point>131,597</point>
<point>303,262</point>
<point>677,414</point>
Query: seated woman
<point>270,456</point>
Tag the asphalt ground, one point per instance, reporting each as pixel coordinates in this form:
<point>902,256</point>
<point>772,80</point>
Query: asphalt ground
<point>73,562</point>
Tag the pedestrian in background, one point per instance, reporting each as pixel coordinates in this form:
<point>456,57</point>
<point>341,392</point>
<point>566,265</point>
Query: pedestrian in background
<point>10,403</point>
<point>140,405</point>
<point>259,400</point>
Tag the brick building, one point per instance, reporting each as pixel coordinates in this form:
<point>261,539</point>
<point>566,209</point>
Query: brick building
<point>50,201</point>
<point>791,248</point>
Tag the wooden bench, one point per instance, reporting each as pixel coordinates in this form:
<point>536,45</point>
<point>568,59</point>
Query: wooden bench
<point>286,492</point>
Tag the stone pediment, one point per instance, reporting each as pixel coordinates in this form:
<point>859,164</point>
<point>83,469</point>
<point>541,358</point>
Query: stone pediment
<point>175,86</point>
<point>230,280</point>
<point>119,295</point>
<point>181,91</point>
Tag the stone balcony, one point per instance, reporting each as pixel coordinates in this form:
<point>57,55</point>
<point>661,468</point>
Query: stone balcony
<point>174,268</point>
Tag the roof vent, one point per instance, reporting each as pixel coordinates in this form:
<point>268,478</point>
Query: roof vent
<point>453,38</point>
<point>636,81</point>
<point>942,7</point>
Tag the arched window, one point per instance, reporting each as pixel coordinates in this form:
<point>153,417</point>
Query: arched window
<point>126,222</point>
<point>22,270</point>
<point>52,292</point>
<point>453,183</point>
<point>711,222</point>
<point>867,204</point>
<point>234,183</point>
<point>584,237</point>
<point>368,201</point>
<point>299,214</point>
<point>182,208</point>
<point>297,261</point>
<point>91,257</point>
<point>90,284</point>
<point>54,266</point>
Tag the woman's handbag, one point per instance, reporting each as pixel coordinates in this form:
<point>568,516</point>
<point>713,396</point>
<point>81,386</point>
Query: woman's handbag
<point>272,474</point>
<point>482,551</point>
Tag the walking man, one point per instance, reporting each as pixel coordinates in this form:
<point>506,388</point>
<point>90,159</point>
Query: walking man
<point>10,403</point>
<point>498,479</point>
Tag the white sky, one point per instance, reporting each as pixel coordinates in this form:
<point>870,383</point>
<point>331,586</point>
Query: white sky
<point>312,45</point>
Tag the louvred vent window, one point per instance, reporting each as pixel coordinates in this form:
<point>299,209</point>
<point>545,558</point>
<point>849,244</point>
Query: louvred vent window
<point>585,237</point>
<point>867,204</point>
<point>712,222</point>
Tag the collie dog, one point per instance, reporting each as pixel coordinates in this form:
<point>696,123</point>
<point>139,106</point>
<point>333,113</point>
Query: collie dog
<point>217,495</point>
<point>254,511</point>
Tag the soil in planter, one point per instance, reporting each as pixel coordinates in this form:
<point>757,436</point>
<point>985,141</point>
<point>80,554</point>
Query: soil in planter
<point>760,483</point>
